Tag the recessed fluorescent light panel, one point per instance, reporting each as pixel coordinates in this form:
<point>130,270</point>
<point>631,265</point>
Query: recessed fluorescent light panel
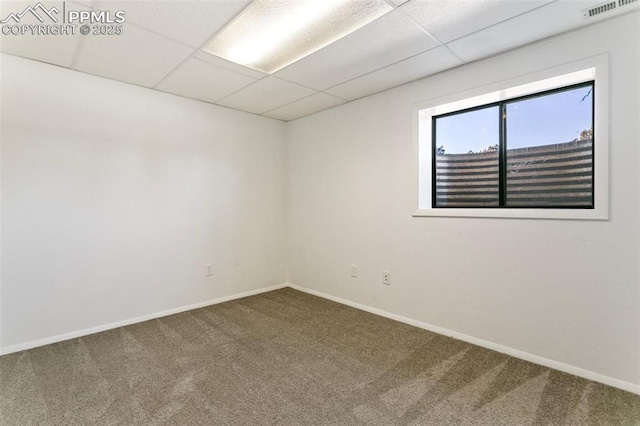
<point>271,34</point>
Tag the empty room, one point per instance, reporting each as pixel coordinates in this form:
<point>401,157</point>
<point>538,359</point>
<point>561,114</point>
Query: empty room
<point>320,212</point>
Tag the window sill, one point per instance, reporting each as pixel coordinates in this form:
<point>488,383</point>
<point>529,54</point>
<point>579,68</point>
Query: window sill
<point>570,214</point>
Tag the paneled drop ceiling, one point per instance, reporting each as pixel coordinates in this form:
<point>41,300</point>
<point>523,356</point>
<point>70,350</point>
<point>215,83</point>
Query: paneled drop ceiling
<point>162,40</point>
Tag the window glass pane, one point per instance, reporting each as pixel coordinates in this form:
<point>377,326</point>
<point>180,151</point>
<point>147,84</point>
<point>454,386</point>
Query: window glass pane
<point>550,150</point>
<point>466,159</point>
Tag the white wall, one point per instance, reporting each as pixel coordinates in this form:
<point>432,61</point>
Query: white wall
<point>114,197</point>
<point>565,291</point>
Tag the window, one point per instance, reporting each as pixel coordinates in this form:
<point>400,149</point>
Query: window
<point>533,151</point>
<point>536,147</point>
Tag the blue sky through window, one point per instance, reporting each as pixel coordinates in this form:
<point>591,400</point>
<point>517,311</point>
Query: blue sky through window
<point>544,120</point>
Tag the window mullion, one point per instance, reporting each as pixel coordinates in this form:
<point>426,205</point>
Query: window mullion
<point>502,154</point>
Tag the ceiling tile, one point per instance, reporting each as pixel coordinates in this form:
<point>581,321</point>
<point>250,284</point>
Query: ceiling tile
<point>451,19</point>
<point>554,18</point>
<point>399,2</point>
<point>309,105</point>
<point>136,56</point>
<point>54,49</point>
<point>191,22</point>
<point>199,80</point>
<point>265,95</point>
<point>231,66</point>
<point>411,69</point>
<point>389,39</point>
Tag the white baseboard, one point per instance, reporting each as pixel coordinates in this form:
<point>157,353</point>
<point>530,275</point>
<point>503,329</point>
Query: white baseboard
<point>566,368</point>
<point>85,332</point>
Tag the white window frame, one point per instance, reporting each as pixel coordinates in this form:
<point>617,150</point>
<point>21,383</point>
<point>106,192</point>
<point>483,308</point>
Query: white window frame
<point>592,69</point>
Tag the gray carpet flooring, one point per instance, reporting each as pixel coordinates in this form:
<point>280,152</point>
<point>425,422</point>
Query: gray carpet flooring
<point>289,358</point>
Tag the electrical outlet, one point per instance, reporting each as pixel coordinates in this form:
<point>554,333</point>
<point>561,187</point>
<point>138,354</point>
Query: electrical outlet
<point>208,270</point>
<point>354,271</point>
<point>386,277</point>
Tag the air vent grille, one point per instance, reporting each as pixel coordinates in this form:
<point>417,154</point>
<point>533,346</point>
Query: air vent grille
<point>606,7</point>
<point>601,8</point>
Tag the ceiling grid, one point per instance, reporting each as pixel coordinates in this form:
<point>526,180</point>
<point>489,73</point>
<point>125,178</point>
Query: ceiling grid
<point>163,47</point>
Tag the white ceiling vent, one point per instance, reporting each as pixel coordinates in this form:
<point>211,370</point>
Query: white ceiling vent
<point>606,7</point>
